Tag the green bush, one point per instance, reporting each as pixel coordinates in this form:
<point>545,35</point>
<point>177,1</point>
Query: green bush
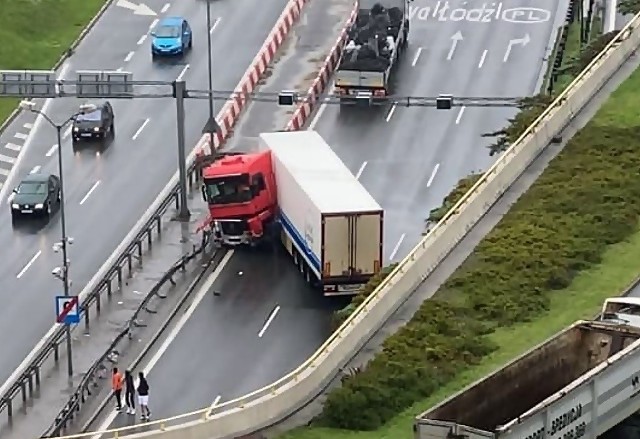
<point>340,316</point>
<point>587,199</point>
<point>454,196</point>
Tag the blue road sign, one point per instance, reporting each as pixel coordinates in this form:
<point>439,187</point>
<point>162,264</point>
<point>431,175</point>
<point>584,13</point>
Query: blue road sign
<point>67,310</point>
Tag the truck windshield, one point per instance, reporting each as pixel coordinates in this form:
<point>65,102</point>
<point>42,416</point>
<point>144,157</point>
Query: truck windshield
<point>228,190</point>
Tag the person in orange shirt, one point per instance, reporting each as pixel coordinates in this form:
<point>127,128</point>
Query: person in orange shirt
<point>117,380</point>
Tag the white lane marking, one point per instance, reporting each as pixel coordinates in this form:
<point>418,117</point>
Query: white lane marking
<point>7,159</point>
<point>93,188</point>
<point>460,113</point>
<point>393,109</point>
<point>184,70</point>
<point>13,147</point>
<point>9,183</point>
<point>20,136</point>
<point>202,292</point>
<point>272,316</point>
<point>52,150</point>
<point>433,174</point>
<point>28,125</point>
<point>35,170</point>
<point>66,133</point>
<point>165,7</point>
<point>364,165</point>
<point>29,264</point>
<point>144,124</point>
<point>142,38</point>
<point>153,23</point>
<point>484,56</point>
<point>214,25</point>
<point>5,172</point>
<point>129,56</point>
<point>396,248</point>
<point>215,402</point>
<point>321,110</point>
<point>415,58</point>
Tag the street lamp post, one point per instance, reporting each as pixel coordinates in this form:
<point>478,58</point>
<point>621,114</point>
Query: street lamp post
<point>210,65</point>
<point>63,272</point>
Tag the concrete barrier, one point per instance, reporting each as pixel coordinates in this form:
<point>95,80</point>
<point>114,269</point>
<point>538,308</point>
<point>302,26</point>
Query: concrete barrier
<point>270,404</point>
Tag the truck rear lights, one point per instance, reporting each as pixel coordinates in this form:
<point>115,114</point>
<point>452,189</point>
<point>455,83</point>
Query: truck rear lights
<point>380,93</point>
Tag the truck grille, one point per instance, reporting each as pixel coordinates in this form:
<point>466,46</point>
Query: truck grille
<point>233,228</point>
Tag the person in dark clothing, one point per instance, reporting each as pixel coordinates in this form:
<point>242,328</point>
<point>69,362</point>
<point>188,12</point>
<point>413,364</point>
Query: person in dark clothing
<point>143,397</point>
<point>129,392</point>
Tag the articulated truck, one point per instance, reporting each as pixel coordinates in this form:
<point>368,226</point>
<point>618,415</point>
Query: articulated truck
<point>374,44</point>
<point>296,190</point>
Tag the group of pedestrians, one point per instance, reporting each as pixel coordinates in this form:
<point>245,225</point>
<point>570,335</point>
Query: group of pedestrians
<point>118,382</point>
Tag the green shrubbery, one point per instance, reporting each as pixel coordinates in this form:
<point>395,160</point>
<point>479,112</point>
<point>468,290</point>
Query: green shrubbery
<point>454,196</point>
<point>340,316</point>
<point>587,199</point>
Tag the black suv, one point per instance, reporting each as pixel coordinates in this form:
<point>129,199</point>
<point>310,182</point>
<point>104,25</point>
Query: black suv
<point>97,124</point>
<point>37,194</point>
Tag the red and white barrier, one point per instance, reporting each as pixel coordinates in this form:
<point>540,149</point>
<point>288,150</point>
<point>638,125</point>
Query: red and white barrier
<point>319,85</point>
<point>233,107</point>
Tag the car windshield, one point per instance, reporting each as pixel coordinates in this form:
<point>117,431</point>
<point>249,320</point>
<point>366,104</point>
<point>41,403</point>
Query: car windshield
<point>92,116</point>
<point>227,190</point>
<point>32,188</point>
<point>168,32</point>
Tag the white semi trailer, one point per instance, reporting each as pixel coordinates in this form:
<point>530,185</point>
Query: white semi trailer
<point>330,224</point>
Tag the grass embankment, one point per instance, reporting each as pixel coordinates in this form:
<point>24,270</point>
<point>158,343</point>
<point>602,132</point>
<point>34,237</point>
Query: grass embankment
<point>572,240</point>
<point>35,33</point>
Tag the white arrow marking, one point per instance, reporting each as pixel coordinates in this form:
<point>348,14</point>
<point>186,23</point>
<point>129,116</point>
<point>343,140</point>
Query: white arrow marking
<point>522,41</point>
<point>455,38</point>
<point>140,9</point>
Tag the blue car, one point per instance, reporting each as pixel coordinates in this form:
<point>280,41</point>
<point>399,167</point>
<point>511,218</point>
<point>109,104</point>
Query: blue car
<point>172,36</point>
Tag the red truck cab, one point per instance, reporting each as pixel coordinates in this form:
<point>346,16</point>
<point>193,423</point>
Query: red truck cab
<point>240,191</point>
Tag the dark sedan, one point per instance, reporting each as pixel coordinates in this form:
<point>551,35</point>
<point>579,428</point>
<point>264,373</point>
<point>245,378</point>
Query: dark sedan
<point>96,124</point>
<point>37,194</point>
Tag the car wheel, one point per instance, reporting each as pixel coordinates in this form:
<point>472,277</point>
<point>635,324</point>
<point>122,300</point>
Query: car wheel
<point>47,213</point>
<point>112,130</point>
<point>14,217</point>
<point>191,44</point>
<point>58,198</point>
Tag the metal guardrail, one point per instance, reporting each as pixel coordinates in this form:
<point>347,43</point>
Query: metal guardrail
<point>123,268</point>
<point>98,370</point>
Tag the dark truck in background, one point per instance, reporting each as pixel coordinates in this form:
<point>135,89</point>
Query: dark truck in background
<point>374,44</point>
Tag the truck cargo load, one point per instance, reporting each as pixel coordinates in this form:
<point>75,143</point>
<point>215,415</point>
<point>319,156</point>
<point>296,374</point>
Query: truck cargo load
<point>578,384</point>
<point>374,43</point>
<point>329,223</point>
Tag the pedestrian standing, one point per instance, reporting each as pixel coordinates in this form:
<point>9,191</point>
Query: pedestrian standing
<point>143,397</point>
<point>117,380</point>
<point>129,392</point>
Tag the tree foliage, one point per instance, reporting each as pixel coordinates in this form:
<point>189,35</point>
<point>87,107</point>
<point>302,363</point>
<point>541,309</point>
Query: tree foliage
<point>453,197</point>
<point>629,6</point>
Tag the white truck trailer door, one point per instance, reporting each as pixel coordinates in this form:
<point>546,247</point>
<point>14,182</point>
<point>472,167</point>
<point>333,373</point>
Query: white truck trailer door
<point>367,242</point>
<point>336,246</point>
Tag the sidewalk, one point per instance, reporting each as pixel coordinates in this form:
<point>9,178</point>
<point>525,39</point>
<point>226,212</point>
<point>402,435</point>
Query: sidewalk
<point>177,239</point>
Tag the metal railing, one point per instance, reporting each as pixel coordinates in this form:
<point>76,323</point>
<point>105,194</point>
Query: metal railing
<point>98,371</point>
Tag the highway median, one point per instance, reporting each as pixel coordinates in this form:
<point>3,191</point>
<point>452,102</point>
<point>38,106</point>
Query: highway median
<point>571,241</point>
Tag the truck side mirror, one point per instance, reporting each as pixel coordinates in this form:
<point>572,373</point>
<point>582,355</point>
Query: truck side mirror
<point>204,192</point>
